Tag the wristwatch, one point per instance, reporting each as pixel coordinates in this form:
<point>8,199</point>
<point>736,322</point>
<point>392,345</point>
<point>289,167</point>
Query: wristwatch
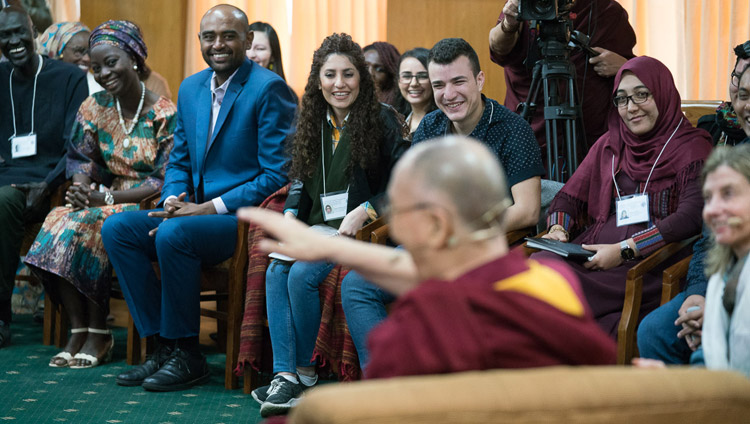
<point>109,199</point>
<point>626,251</point>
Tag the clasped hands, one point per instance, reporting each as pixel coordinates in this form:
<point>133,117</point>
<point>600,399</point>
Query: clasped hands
<point>607,256</point>
<point>175,207</point>
<point>81,196</point>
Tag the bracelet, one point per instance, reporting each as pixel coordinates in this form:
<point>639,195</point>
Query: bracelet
<point>109,199</point>
<point>509,31</point>
<point>558,227</point>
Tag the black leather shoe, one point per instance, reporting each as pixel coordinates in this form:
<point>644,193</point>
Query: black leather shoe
<point>136,375</point>
<point>182,371</point>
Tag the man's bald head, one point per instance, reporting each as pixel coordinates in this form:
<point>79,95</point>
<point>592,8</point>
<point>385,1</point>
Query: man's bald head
<point>463,172</point>
<point>227,10</point>
<point>17,35</point>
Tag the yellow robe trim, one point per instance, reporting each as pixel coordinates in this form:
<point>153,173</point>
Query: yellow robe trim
<point>545,284</point>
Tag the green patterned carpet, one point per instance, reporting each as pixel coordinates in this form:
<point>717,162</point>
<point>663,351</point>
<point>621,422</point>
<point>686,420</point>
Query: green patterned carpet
<point>32,392</point>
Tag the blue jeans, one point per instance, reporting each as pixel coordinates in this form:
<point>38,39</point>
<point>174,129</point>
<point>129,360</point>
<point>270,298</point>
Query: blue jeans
<point>293,308</point>
<point>657,334</point>
<point>364,308</point>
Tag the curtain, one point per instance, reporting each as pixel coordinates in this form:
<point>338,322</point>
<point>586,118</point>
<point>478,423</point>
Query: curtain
<point>694,38</point>
<point>64,11</point>
<point>301,26</point>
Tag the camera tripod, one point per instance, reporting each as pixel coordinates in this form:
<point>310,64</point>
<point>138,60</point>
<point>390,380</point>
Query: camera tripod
<point>561,109</point>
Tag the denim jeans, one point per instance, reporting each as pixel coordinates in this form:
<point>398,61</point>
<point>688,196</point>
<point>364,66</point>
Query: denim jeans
<point>657,334</point>
<point>364,308</point>
<point>293,308</point>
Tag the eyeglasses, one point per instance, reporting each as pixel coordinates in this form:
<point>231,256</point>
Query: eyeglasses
<point>637,98</point>
<point>736,79</point>
<point>406,77</point>
<point>390,211</point>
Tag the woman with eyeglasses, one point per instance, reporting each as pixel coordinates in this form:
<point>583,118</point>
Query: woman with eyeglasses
<point>637,189</point>
<point>69,42</point>
<point>415,87</point>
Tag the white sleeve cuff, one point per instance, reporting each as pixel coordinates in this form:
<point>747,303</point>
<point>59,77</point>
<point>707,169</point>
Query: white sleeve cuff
<point>169,198</point>
<point>219,205</point>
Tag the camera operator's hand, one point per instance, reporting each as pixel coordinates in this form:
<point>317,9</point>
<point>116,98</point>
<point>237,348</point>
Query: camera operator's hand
<point>607,63</point>
<point>511,15</point>
<point>505,35</point>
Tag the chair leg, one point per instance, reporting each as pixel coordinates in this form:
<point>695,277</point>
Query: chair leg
<point>61,326</point>
<point>251,380</point>
<point>134,344</point>
<point>50,310</point>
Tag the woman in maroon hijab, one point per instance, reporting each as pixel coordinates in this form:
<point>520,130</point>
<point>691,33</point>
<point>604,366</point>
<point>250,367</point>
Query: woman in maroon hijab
<point>636,190</point>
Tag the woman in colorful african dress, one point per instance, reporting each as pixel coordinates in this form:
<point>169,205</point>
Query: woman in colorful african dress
<point>120,146</point>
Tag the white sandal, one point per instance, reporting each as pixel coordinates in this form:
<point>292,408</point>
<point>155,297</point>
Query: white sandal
<point>93,360</point>
<point>66,356</point>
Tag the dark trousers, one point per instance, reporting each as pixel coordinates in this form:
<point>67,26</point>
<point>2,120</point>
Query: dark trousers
<point>12,205</point>
<point>170,306</point>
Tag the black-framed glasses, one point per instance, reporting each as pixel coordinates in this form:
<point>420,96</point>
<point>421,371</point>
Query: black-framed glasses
<point>406,77</point>
<point>637,98</point>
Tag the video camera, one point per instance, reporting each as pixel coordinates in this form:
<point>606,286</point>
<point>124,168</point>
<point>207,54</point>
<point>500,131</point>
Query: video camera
<point>543,10</point>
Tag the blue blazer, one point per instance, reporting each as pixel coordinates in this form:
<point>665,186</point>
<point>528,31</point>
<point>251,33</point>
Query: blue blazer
<point>242,161</point>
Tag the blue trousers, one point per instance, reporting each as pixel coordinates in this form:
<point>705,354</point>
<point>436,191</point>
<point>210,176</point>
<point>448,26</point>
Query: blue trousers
<point>364,307</point>
<point>293,308</point>
<point>170,306</point>
<point>657,334</point>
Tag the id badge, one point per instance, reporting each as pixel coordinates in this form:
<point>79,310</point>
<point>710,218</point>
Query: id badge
<point>334,205</point>
<point>23,146</point>
<point>632,209</point>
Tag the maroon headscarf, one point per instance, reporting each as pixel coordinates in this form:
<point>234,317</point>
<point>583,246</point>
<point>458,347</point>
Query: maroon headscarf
<point>592,184</point>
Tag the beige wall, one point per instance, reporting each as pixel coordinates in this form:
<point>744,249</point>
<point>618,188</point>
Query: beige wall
<point>422,23</point>
<point>163,24</point>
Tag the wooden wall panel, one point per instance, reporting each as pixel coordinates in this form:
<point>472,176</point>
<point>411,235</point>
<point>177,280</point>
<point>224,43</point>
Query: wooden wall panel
<point>163,23</point>
<point>422,23</point>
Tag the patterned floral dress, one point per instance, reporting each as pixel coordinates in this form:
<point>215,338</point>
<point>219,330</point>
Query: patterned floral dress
<point>69,244</point>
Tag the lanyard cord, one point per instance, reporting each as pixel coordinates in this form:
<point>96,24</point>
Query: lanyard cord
<point>33,98</point>
<point>617,189</point>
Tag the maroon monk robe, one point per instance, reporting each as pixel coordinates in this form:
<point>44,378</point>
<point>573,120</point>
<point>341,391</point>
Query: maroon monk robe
<point>508,313</point>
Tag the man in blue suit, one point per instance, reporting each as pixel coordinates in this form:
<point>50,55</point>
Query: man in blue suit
<point>228,152</point>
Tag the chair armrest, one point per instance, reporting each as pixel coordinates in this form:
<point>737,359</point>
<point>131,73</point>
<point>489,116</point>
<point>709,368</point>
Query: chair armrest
<point>150,201</point>
<point>515,236</point>
<point>379,235</point>
<point>364,233</point>
<point>633,294</point>
<point>672,276</point>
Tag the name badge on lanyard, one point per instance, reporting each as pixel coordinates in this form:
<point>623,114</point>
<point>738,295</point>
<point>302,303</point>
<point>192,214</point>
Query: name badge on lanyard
<point>632,209</point>
<point>23,146</point>
<point>334,204</point>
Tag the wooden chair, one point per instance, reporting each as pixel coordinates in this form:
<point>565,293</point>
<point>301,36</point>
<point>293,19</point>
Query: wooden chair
<point>223,283</point>
<point>671,279</point>
<point>694,109</point>
<point>626,331</point>
<point>626,341</point>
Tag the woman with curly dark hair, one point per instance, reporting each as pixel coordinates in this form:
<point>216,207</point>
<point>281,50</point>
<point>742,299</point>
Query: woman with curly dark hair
<point>341,158</point>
